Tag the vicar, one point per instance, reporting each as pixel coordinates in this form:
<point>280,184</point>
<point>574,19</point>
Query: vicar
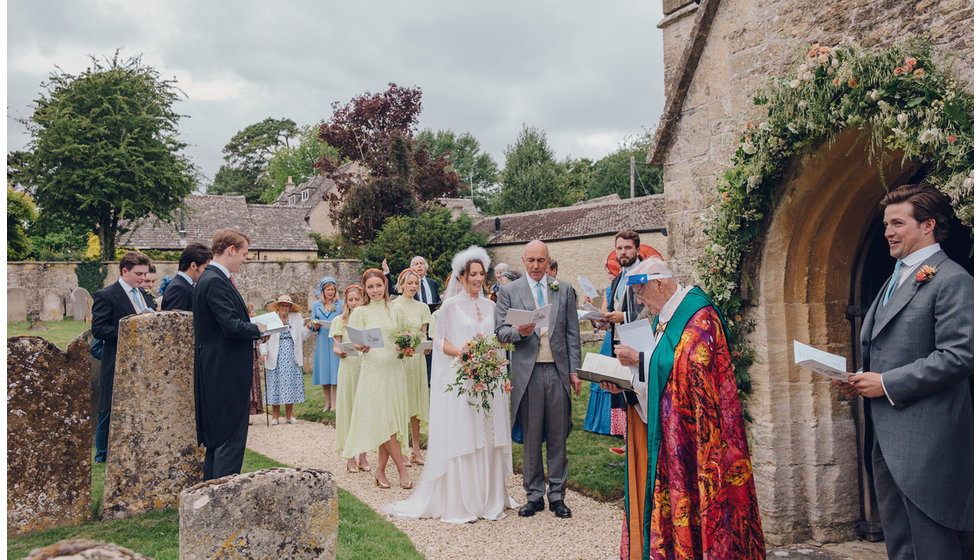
<point>917,355</point>
<point>223,339</point>
<point>543,366</point>
<point>690,492</point>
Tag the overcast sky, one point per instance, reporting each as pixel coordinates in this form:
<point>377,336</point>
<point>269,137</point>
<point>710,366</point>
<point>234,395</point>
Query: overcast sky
<point>586,73</point>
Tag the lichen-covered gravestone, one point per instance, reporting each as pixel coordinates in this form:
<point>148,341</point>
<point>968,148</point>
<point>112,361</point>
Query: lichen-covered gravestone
<point>16,305</point>
<point>153,451</point>
<point>49,443</point>
<point>84,550</point>
<point>273,513</point>
<point>52,306</point>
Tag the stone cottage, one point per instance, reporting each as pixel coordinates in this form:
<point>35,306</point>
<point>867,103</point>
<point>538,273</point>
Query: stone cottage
<point>822,257</point>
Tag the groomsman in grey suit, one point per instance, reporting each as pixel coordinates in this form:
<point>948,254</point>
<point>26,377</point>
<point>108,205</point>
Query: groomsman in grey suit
<point>917,352</point>
<point>543,366</point>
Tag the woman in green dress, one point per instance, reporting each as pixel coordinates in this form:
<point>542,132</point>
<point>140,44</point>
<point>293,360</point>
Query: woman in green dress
<point>379,418</point>
<point>415,316</point>
<point>347,376</point>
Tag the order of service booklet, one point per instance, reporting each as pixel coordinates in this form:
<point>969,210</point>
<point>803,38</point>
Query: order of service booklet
<point>597,368</point>
<point>824,363</point>
<point>272,322</point>
<point>366,337</point>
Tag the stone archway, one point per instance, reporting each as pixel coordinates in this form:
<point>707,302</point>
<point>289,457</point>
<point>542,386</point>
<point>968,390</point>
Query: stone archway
<point>803,428</point>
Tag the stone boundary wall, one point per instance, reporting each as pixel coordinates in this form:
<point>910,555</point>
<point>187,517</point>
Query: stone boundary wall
<point>258,281</point>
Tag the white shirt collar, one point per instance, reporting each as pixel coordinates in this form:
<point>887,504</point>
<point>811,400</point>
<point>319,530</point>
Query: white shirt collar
<point>222,268</point>
<point>185,277</point>
<point>126,287</point>
<point>532,283</point>
<point>915,257</point>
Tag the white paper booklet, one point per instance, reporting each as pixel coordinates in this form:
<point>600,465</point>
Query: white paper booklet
<point>273,324</point>
<point>598,368</point>
<point>348,348</point>
<point>587,288</point>
<point>366,337</point>
<point>637,335</point>
<point>824,363</point>
<point>521,317</point>
<point>424,345</point>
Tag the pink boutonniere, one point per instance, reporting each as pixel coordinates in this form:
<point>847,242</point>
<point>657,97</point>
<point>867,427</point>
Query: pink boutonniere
<point>925,274</point>
<point>553,285</point>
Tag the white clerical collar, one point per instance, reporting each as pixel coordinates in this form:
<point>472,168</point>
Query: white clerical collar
<point>222,268</point>
<point>672,303</point>
<point>185,277</point>
<point>915,257</point>
<point>126,287</point>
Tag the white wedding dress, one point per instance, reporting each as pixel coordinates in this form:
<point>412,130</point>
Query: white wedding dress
<point>469,451</point>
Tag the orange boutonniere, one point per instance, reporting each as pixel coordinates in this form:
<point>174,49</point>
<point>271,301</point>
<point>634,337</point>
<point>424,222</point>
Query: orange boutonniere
<point>925,274</point>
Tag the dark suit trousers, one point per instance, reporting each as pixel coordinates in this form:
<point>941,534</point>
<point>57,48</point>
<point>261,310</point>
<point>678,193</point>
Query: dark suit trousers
<point>544,413</point>
<point>102,437</point>
<point>910,534</point>
<point>227,458</point>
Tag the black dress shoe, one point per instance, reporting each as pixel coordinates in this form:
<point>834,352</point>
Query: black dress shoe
<point>530,508</point>
<point>560,509</point>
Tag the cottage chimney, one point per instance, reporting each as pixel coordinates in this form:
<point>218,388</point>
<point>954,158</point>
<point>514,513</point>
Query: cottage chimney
<point>496,226</point>
<point>290,185</point>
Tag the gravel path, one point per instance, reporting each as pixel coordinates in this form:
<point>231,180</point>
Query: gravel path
<point>592,532</point>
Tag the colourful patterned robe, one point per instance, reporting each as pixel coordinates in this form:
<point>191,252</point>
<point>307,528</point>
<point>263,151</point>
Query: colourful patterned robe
<point>704,490</point>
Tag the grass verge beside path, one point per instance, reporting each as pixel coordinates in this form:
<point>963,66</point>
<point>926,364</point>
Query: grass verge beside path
<point>362,533</point>
<point>61,333</point>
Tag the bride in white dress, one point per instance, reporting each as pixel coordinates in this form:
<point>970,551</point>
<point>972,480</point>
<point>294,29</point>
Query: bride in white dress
<point>469,451</point>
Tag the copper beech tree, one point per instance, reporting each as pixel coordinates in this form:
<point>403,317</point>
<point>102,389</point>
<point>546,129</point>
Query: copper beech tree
<point>376,131</point>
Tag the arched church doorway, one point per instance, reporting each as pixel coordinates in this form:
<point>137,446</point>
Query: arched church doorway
<point>872,268</point>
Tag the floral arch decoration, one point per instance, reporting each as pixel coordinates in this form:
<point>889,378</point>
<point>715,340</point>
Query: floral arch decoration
<point>897,98</point>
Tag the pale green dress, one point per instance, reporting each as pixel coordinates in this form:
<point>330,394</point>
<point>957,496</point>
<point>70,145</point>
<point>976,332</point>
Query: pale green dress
<point>347,376</point>
<point>414,314</point>
<point>381,400</point>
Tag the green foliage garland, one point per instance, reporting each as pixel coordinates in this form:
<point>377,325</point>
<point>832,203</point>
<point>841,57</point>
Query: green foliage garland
<point>897,98</point>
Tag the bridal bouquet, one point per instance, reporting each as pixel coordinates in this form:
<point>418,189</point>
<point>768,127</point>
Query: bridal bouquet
<point>481,370</point>
<point>405,343</point>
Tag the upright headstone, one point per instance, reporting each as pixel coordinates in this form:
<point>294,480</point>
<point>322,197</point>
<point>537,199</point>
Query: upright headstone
<point>16,305</point>
<point>82,549</point>
<point>52,306</point>
<point>49,445</point>
<point>80,304</point>
<point>153,451</point>
<point>273,513</point>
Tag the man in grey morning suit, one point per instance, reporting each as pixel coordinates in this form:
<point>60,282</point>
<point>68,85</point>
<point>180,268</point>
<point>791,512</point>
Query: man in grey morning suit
<point>543,366</point>
<point>917,350</point>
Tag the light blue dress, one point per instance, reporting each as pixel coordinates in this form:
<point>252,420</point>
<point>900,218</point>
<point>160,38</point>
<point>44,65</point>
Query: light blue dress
<point>325,362</point>
<point>598,415</point>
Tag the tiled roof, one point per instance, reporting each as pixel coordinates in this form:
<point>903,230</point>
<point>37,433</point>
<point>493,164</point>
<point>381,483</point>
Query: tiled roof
<point>599,217</point>
<point>271,228</point>
<point>464,205</point>
<point>317,187</point>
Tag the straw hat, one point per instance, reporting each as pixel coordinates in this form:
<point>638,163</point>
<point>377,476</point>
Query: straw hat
<point>274,306</point>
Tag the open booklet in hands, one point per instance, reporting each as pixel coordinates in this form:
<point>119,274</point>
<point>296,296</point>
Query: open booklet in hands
<point>598,368</point>
<point>824,363</point>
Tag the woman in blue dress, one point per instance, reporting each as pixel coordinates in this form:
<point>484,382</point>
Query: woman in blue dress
<point>598,416</point>
<point>325,361</point>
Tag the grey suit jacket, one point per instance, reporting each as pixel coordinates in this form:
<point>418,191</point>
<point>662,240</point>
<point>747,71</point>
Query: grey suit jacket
<point>563,334</point>
<point>922,344</point>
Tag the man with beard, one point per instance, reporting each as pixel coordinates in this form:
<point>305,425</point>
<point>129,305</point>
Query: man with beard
<point>622,307</point>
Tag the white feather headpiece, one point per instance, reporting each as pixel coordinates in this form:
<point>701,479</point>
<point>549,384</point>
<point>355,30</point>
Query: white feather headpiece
<point>474,253</point>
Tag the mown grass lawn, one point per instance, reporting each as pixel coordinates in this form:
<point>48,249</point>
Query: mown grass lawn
<point>61,333</point>
<point>362,533</point>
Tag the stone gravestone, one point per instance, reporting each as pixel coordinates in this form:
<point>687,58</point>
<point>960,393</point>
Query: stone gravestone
<point>153,451</point>
<point>273,513</point>
<point>49,445</point>
<point>82,549</point>
<point>16,305</point>
<point>52,306</point>
<point>80,304</point>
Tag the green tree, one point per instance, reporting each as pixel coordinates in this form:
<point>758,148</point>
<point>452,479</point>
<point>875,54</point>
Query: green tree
<point>531,178</point>
<point>477,171</point>
<point>578,173</point>
<point>611,174</point>
<point>296,161</point>
<point>104,148</point>
<point>433,234</point>
<point>248,156</point>
<point>20,212</point>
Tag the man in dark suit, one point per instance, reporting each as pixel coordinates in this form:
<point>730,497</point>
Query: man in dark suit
<point>917,353</point>
<point>428,288</point>
<point>543,364</point>
<point>179,293</point>
<point>622,307</point>
<point>223,339</point>
<point>109,305</point>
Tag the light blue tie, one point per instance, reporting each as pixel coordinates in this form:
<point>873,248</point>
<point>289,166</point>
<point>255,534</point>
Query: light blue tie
<point>539,294</point>
<point>893,283</point>
<point>136,299</point>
